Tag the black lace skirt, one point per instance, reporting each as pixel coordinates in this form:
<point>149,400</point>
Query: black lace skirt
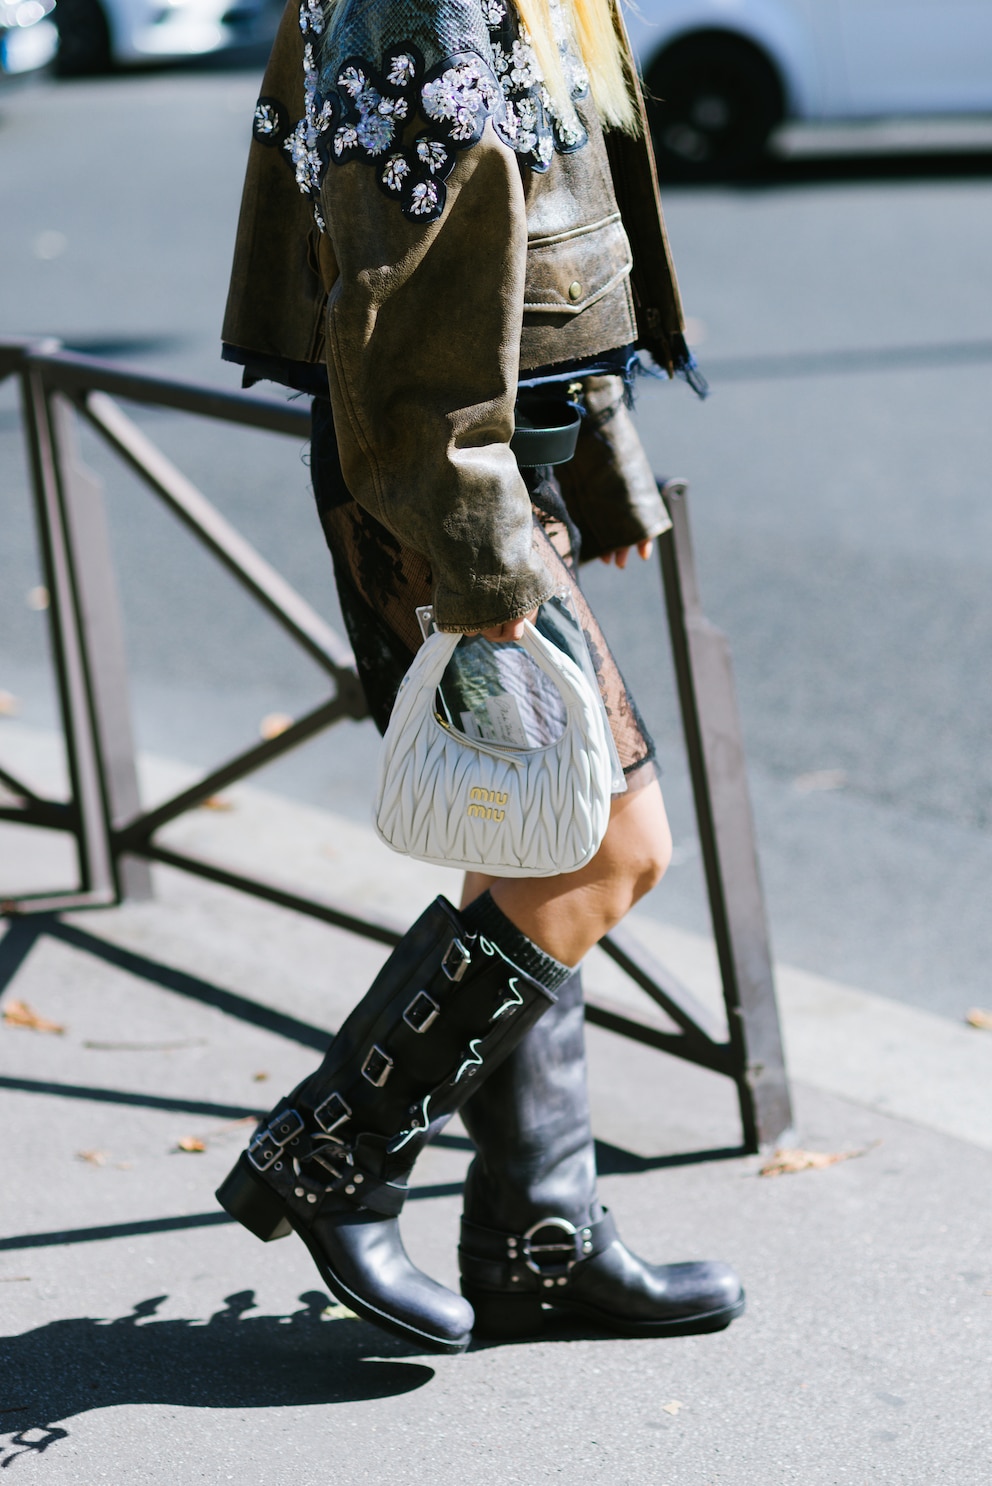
<point>381,585</point>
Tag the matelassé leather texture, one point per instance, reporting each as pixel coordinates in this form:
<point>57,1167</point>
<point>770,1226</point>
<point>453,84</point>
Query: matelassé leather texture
<point>478,807</point>
<point>425,325</point>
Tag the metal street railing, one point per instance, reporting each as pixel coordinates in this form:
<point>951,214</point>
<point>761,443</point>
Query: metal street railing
<point>116,839</point>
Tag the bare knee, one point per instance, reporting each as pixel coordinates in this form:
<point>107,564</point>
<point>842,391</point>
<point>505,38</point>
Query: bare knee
<point>637,849</point>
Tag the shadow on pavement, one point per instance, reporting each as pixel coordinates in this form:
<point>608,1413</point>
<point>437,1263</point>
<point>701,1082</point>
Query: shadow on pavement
<point>233,1361</point>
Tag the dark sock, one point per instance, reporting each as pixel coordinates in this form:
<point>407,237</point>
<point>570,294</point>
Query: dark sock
<point>484,917</point>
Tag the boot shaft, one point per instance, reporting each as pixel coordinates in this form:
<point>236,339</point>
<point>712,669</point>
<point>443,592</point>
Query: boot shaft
<point>443,1012</point>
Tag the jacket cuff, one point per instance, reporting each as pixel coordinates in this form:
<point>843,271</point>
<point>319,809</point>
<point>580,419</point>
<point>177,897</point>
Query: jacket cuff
<point>489,603</point>
<point>609,487</point>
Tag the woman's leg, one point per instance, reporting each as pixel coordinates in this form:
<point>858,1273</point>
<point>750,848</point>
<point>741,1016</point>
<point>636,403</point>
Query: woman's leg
<point>533,1230</point>
<point>567,915</point>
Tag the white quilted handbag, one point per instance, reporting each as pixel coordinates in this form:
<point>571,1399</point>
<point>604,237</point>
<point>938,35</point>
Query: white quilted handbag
<point>446,798</point>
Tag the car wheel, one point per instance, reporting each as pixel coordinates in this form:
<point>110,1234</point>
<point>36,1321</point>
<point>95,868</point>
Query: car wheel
<point>713,102</point>
<point>84,38</point>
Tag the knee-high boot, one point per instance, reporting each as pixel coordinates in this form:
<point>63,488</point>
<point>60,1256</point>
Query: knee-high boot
<point>333,1158</point>
<point>534,1233</point>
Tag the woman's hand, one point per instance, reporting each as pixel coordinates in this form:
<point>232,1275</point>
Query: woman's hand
<point>512,629</point>
<point>620,555</point>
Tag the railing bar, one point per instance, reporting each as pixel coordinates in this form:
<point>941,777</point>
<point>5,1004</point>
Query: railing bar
<point>144,825</point>
<point>661,985</point>
<point>18,787</point>
<point>74,373</point>
<point>716,1056</point>
<point>47,814</point>
<point>285,605</point>
<point>380,929</point>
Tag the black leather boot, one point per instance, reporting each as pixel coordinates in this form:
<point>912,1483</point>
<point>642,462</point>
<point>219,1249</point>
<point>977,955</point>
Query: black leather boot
<point>333,1158</point>
<point>534,1234</point>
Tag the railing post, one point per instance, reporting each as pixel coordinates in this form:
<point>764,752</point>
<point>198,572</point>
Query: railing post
<point>87,641</point>
<point>714,744</point>
<point>106,658</point>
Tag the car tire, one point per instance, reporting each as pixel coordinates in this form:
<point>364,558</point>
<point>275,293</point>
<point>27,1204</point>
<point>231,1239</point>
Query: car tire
<point>713,102</point>
<point>84,39</point>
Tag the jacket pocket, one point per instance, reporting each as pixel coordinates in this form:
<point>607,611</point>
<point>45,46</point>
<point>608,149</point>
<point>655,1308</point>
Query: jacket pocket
<point>568,272</point>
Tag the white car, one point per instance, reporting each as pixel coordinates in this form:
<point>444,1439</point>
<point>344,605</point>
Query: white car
<point>28,38</point>
<point>93,34</point>
<point>724,73</point>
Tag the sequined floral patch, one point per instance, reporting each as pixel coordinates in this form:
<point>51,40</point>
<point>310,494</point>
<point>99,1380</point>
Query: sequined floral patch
<point>271,122</point>
<point>376,104</point>
<point>367,112</point>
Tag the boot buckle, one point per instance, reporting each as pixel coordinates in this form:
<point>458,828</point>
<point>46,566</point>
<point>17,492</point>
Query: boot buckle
<point>422,1012</point>
<point>456,960</point>
<point>377,1067</point>
<point>552,1260</point>
<point>333,1112</point>
<point>266,1145</point>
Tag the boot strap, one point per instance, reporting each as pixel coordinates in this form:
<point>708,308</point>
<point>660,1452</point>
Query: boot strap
<point>271,1147</point>
<point>538,1259</point>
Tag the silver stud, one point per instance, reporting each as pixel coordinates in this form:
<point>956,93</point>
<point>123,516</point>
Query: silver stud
<point>311,1197</point>
<point>350,1188</point>
<point>358,1178</point>
<point>514,1279</point>
<point>277,1166</point>
<point>562,1280</point>
<point>297,1191</point>
<point>548,1283</point>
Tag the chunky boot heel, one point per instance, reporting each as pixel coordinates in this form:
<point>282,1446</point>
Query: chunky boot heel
<point>246,1197</point>
<point>505,1317</point>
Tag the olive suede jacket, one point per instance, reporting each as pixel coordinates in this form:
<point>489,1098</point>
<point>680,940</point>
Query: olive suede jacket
<point>419,218</point>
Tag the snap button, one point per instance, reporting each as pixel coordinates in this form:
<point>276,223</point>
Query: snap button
<point>574,290</point>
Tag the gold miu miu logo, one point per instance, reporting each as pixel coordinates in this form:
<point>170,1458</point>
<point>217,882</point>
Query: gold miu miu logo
<point>484,803</point>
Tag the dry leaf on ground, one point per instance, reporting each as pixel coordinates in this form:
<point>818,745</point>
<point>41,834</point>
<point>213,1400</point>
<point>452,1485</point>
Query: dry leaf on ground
<point>191,1143</point>
<point>20,1014</point>
<point>672,1407</point>
<point>274,723</point>
<point>260,1077</point>
<point>795,1159</point>
<point>337,1312</point>
<point>95,1158</point>
<point>979,1017</point>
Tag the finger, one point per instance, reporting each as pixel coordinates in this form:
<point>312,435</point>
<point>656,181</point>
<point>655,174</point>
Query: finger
<point>621,555</point>
<point>645,548</point>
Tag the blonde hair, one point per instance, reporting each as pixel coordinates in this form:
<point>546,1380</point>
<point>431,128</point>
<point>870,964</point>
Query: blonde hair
<point>596,27</point>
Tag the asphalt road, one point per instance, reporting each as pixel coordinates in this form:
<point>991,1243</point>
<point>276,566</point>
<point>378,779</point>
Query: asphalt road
<point>840,503</point>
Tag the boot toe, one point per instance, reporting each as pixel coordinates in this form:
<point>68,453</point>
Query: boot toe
<point>362,1260</point>
<point>625,1294</point>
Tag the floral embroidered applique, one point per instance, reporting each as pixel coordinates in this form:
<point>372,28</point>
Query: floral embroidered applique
<point>362,111</point>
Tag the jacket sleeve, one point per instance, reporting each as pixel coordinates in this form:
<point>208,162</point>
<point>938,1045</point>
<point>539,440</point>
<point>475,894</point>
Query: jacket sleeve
<point>423,334</point>
<point>609,487</point>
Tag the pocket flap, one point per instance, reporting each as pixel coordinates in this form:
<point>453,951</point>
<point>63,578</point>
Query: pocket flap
<point>568,272</point>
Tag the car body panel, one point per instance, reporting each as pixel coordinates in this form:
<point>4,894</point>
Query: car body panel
<point>145,30</point>
<point>845,58</point>
<point>28,38</point>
